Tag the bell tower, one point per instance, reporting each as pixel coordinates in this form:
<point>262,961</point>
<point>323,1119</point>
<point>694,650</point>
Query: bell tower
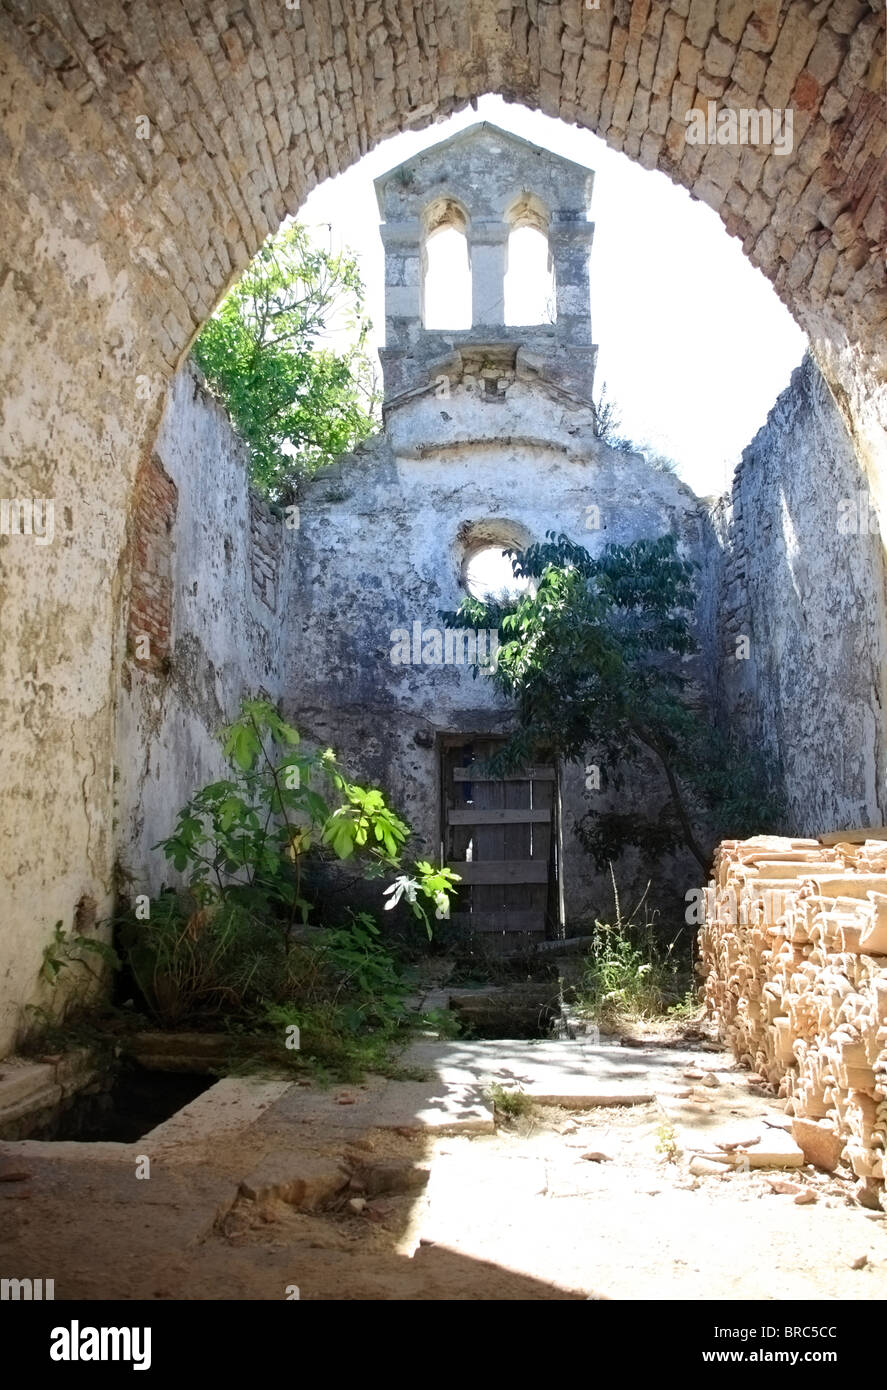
<point>487,183</point>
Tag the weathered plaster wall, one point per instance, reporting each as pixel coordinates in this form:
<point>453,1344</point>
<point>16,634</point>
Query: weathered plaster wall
<point>229,564</point>
<point>70,422</point>
<point>381,547</point>
<point>803,579</point>
<point>308,615</point>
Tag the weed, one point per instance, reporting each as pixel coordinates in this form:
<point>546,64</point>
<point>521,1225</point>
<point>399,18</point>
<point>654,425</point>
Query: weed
<point>632,970</point>
<point>667,1142</point>
<point>509,1104</point>
<point>66,951</point>
<point>444,1022</point>
<point>686,1008</point>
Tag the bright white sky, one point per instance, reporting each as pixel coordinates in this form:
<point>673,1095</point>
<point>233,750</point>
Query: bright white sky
<point>694,345</point>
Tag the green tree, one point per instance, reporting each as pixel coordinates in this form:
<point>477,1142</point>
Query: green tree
<point>592,654</point>
<point>296,402</point>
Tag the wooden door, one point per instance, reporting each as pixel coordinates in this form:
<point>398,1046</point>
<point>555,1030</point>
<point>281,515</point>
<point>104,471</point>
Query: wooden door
<point>497,836</point>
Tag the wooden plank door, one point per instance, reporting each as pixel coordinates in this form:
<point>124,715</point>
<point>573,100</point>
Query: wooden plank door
<point>497,834</point>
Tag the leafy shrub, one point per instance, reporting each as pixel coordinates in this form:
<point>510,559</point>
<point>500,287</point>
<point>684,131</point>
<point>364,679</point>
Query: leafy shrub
<point>244,840</point>
<point>237,947</point>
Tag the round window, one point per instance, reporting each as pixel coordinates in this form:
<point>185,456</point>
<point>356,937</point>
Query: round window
<point>489,575</point>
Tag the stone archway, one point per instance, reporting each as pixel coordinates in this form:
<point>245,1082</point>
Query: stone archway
<point>147,152</point>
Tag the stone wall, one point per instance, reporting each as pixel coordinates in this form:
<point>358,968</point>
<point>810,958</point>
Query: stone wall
<point>793,954</point>
<point>234,602</point>
<point>308,616</point>
<point>802,592</point>
<point>382,545</point>
<point>791,575</point>
<point>226,560</point>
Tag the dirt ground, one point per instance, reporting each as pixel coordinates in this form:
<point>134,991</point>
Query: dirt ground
<point>524,1213</point>
<point>557,1205</point>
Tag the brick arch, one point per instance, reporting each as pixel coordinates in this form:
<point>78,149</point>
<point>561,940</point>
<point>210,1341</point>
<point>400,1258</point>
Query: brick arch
<point>245,107</point>
<point>147,150</point>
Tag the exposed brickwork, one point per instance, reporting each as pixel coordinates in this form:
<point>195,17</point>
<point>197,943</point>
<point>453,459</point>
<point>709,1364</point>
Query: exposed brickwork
<point>250,105</point>
<point>266,541</point>
<point>150,603</point>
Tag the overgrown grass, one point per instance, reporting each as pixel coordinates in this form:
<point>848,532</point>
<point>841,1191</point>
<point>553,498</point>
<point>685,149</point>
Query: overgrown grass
<point>629,974</point>
<point>636,970</point>
<point>331,1003</point>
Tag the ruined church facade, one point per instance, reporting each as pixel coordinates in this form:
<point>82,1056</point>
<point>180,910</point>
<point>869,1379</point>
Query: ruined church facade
<point>489,441</point>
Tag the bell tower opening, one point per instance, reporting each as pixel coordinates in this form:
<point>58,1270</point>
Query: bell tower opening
<point>445,266</point>
<point>529,276</point>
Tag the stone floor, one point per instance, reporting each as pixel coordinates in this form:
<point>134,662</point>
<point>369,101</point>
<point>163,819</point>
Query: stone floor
<point>409,1190</point>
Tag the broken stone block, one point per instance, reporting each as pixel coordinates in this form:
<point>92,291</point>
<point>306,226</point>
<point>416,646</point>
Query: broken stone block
<point>385,1176</point>
<point>820,1144</point>
<point>305,1181</point>
<point>703,1167</point>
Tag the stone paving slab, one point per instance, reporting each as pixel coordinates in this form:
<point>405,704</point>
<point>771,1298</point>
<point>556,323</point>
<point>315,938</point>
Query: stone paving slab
<point>441,1106</point>
<point>574,1074</point>
<point>434,1104</point>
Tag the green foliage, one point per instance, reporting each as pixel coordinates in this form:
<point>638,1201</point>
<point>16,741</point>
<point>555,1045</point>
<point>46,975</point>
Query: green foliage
<point>331,1047</point>
<point>349,1007</point>
<point>606,834</point>
<point>297,403</point>
<point>634,970</point>
<point>667,1142</point>
<point>607,421</point>
<point>66,951</point>
<point>243,840</point>
<point>78,968</point>
<point>366,973</point>
<point>592,655</point>
<point>237,946</point>
<point>219,966</point>
<point>444,1022</point>
<point>437,884</point>
<point>90,1025</point>
<point>688,1006</point>
<point>621,981</point>
<point>508,1104</point>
